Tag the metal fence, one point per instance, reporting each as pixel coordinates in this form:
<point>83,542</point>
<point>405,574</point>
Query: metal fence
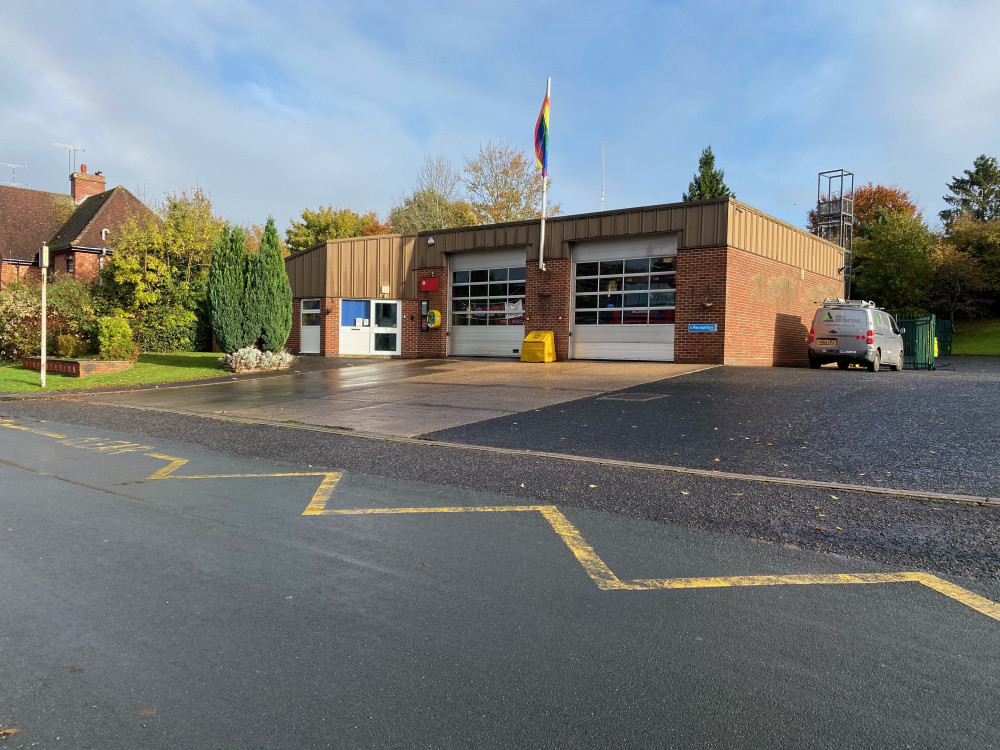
<point>918,342</point>
<point>943,331</point>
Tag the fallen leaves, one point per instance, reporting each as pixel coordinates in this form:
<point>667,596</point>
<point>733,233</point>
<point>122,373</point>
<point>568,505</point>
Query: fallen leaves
<point>147,712</point>
<point>9,731</point>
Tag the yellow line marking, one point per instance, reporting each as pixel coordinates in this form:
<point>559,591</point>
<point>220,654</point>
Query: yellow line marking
<point>319,498</point>
<point>802,580</point>
<point>979,603</point>
<point>174,465</point>
<point>11,425</point>
<point>606,580</point>
<point>596,568</point>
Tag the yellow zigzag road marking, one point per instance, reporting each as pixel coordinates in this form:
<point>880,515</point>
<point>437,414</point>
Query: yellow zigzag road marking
<point>319,498</point>
<point>606,580</point>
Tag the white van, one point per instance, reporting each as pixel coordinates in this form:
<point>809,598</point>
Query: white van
<point>854,332</point>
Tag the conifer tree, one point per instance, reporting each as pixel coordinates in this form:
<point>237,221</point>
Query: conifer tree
<point>708,183</point>
<point>254,295</point>
<point>227,289</point>
<point>276,292</point>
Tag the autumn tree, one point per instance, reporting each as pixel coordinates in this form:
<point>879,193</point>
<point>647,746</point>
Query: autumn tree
<point>435,202</point>
<point>328,223</point>
<point>893,263</point>
<point>976,194</point>
<point>708,183</point>
<point>504,184</point>
<point>158,273</point>
<point>869,199</point>
<point>959,286</point>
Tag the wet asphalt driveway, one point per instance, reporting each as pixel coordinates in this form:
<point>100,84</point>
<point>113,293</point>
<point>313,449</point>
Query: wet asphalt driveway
<point>917,430</point>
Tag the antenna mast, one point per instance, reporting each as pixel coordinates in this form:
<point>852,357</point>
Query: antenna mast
<point>70,154</point>
<point>602,174</point>
<point>13,182</point>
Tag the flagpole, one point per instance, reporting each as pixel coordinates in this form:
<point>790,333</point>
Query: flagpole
<point>541,233</point>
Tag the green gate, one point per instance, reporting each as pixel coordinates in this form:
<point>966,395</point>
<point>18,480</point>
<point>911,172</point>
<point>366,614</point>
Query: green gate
<point>918,342</point>
<point>943,331</point>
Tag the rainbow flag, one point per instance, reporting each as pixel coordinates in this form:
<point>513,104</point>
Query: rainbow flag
<point>542,137</point>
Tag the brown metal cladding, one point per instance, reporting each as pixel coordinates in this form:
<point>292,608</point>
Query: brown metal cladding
<point>760,234</point>
<point>307,272</point>
<point>355,268</point>
<point>360,267</point>
<point>698,224</point>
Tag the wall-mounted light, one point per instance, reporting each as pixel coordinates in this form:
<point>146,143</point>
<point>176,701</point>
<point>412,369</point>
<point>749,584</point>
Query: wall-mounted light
<point>430,241</point>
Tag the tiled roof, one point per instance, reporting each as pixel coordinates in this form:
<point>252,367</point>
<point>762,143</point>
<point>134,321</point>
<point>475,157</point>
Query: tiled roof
<point>70,232</point>
<point>29,218</point>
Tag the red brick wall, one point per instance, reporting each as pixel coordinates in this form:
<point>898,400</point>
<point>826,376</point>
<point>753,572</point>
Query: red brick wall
<point>295,335</point>
<point>10,272</point>
<point>87,266</point>
<point>433,342</point>
<point>547,301</point>
<point>329,332</point>
<point>770,307</point>
<point>701,280</point>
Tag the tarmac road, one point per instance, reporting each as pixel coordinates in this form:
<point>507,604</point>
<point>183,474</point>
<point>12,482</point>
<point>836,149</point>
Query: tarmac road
<point>902,444</point>
<point>158,594</point>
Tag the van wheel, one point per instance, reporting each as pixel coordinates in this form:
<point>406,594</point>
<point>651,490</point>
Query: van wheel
<point>813,363</point>
<point>874,365</point>
<point>843,365</point>
<point>898,367</point>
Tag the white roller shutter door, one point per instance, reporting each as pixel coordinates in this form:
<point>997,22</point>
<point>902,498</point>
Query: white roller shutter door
<point>623,299</point>
<point>486,303</point>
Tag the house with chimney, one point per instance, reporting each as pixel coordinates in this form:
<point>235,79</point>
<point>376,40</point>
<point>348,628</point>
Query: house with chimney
<point>80,228</point>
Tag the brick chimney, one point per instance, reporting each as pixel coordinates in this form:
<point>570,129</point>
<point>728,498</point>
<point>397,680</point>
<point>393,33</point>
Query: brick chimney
<point>83,185</point>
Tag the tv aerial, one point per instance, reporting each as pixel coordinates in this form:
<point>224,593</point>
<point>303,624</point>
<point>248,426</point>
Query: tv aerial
<point>13,181</point>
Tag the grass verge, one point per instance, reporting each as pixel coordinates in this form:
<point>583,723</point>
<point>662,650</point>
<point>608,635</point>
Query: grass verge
<point>976,337</point>
<point>151,368</point>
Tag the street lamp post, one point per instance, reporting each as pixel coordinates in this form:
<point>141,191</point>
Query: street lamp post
<point>43,261</point>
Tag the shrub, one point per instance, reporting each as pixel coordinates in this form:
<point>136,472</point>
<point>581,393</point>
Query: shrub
<point>114,336</point>
<point>252,358</point>
<point>72,309</point>
<point>162,328</point>
<point>70,346</point>
<point>20,309</point>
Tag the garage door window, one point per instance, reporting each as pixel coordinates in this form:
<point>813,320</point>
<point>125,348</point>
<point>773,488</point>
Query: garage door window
<point>488,297</point>
<point>636,291</point>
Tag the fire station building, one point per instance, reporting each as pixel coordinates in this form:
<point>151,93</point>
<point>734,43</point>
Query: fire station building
<point>714,282</point>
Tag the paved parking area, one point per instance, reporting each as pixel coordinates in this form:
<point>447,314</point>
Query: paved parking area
<point>917,430</point>
<point>402,397</point>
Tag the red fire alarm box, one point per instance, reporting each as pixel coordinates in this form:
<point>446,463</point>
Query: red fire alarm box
<point>429,285</point>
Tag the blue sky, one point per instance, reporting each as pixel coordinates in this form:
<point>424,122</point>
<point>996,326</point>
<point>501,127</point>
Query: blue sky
<point>275,107</point>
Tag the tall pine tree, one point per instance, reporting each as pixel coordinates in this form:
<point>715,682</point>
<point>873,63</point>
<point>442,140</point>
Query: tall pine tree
<point>227,289</point>
<point>708,183</point>
<point>977,194</point>
<point>276,292</point>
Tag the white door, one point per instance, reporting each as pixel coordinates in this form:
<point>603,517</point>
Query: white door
<point>624,299</point>
<point>309,327</point>
<point>369,326</point>
<point>355,326</point>
<point>486,296</point>
<point>385,327</point>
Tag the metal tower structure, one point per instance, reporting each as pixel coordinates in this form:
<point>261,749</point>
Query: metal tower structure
<point>835,214</point>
